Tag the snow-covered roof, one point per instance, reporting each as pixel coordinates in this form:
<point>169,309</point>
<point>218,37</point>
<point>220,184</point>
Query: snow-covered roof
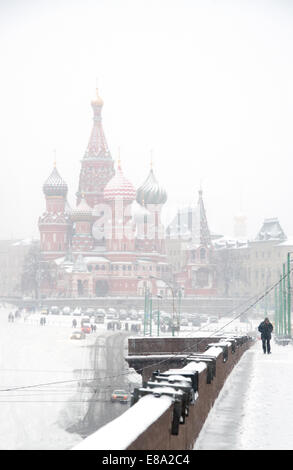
<point>230,242</point>
<point>59,261</point>
<point>95,259</point>
<point>288,242</point>
<point>24,242</point>
<point>271,230</point>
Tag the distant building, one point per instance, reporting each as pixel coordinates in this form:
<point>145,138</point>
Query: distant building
<point>189,249</point>
<point>250,267</point>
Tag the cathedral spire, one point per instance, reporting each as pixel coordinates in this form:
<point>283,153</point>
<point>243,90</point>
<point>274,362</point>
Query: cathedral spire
<point>97,147</point>
<point>204,232</point>
<point>97,166</point>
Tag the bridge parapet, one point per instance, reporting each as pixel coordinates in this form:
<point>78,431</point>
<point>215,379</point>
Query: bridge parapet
<point>168,412</point>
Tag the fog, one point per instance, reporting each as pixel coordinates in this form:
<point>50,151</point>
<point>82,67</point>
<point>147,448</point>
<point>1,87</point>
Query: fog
<point>205,86</point>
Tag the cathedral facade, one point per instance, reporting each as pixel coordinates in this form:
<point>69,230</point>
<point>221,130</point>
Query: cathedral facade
<point>112,242</point>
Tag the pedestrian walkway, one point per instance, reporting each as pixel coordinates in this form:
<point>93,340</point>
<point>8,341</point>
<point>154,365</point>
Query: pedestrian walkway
<point>254,410</point>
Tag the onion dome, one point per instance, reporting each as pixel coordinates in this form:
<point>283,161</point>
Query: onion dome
<point>150,192</point>
<point>119,187</point>
<point>55,185</point>
<point>82,212</point>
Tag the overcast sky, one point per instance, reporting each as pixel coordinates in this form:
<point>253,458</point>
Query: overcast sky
<point>208,85</point>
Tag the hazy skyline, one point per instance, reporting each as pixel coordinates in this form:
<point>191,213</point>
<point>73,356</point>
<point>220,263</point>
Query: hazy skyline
<point>206,84</point>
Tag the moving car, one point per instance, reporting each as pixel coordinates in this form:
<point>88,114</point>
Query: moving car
<point>120,395</point>
<point>77,334</point>
<point>86,328</point>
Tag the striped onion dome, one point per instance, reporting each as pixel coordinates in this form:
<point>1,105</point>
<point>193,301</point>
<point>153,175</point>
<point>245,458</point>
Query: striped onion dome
<point>150,192</point>
<point>82,212</point>
<point>55,185</point>
<point>119,187</point>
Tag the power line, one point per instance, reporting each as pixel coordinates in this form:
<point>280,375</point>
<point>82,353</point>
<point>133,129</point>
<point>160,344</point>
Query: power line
<point>127,372</point>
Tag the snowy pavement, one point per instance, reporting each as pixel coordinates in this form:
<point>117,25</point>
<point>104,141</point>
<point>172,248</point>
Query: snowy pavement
<point>254,410</point>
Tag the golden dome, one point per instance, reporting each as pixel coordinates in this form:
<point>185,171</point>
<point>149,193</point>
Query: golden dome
<point>98,100</point>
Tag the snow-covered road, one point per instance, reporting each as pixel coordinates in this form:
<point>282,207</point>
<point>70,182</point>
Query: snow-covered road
<point>36,415</point>
<point>254,410</point>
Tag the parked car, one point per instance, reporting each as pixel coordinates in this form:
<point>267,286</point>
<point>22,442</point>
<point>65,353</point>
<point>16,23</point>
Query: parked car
<point>213,319</point>
<point>184,322</point>
<point>195,321</point>
<point>203,318</point>
<point>112,312</point>
<point>120,395</point>
<point>99,318</point>
<point>77,334</point>
<point>77,312</point>
<point>101,311</point>
<point>66,311</point>
<point>55,310</point>
<point>90,311</point>
<point>123,314</point>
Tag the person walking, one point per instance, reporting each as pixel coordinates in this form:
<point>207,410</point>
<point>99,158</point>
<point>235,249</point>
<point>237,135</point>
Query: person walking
<point>266,328</point>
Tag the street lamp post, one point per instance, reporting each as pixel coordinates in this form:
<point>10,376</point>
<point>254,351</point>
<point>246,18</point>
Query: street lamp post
<point>283,309</point>
<point>158,318</point>
<point>148,305</point>
<point>173,291</point>
<point>289,293</point>
<point>284,300</point>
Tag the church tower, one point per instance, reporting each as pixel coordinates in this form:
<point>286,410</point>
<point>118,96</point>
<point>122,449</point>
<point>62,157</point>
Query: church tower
<point>97,167</point>
<point>54,224</point>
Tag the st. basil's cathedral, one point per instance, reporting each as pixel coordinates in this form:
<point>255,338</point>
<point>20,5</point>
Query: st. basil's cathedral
<point>113,242</point>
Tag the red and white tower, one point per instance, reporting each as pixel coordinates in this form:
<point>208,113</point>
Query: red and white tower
<point>97,166</point>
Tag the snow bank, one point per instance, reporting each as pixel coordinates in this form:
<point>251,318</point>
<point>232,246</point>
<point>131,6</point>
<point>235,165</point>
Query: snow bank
<point>214,351</point>
<point>195,367</point>
<point>139,417</point>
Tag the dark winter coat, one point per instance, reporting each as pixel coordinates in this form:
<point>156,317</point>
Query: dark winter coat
<point>265,329</point>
